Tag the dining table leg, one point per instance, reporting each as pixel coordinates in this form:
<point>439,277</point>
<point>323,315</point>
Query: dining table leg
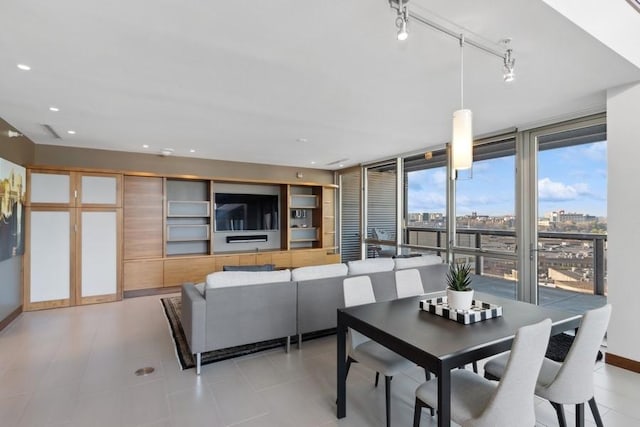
<point>444,397</point>
<point>342,368</point>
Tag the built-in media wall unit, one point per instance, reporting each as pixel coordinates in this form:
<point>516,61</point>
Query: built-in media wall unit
<point>246,217</point>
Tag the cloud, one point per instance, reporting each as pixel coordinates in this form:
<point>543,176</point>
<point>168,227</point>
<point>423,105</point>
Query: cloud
<point>596,151</point>
<point>427,201</point>
<point>549,190</point>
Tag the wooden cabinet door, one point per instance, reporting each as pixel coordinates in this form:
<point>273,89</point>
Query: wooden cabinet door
<point>181,270</point>
<point>50,188</point>
<point>98,190</point>
<point>49,258</point>
<point>98,256</point>
<point>143,217</point>
<point>143,274</point>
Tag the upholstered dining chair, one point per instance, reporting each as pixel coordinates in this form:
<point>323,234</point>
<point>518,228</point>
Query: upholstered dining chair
<point>478,402</point>
<point>570,382</point>
<point>408,283</point>
<point>360,348</point>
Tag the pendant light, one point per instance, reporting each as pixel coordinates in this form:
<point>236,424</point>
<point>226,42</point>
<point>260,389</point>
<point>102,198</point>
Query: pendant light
<point>462,137</point>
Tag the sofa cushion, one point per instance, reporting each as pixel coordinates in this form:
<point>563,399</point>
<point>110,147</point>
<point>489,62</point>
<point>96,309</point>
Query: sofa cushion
<point>370,265</point>
<point>418,261</point>
<point>222,279</point>
<point>318,272</point>
<point>263,267</point>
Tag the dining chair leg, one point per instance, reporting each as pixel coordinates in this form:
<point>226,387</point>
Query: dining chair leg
<point>377,378</point>
<point>596,412</point>
<point>427,374</point>
<point>349,362</point>
<point>580,415</point>
<point>417,412</point>
<point>560,412</point>
<point>387,387</point>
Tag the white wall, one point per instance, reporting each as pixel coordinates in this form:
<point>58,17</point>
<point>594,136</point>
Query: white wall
<point>623,211</point>
<point>596,16</point>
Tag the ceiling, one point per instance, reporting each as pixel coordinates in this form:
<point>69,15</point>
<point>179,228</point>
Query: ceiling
<point>300,83</point>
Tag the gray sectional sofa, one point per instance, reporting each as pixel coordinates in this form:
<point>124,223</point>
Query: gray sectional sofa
<point>236,308</point>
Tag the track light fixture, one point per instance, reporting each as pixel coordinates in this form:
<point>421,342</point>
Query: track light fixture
<point>508,69</point>
<point>402,17</point>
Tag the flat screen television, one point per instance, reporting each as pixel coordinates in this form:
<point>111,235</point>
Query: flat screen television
<point>240,212</point>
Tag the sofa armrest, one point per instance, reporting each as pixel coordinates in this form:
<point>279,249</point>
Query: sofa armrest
<point>194,317</point>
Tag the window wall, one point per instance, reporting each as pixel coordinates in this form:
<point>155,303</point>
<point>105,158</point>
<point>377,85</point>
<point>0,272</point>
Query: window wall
<point>523,186</point>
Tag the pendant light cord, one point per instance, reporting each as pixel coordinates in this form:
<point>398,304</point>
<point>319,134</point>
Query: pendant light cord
<point>462,71</point>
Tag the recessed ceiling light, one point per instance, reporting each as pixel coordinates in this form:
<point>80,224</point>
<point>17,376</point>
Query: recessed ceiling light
<point>313,163</point>
<point>24,67</point>
<point>340,165</point>
<point>302,140</point>
<point>71,132</point>
<point>145,145</point>
<point>55,109</point>
<point>192,151</point>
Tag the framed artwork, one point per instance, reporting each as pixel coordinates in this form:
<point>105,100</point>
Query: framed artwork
<point>12,194</point>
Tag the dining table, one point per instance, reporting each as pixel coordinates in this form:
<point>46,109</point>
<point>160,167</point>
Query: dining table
<point>438,343</point>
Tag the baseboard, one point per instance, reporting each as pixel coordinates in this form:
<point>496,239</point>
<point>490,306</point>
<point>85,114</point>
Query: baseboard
<point>10,318</point>
<point>148,292</point>
<point>622,362</point>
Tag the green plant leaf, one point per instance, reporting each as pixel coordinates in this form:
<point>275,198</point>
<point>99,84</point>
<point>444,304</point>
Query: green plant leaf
<point>459,277</point>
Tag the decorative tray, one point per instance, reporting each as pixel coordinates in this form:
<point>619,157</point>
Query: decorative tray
<point>479,310</point>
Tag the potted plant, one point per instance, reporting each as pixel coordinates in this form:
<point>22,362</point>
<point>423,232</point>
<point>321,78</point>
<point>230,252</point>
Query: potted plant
<point>459,293</point>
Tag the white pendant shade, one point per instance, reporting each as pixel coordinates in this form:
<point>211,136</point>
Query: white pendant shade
<point>462,140</point>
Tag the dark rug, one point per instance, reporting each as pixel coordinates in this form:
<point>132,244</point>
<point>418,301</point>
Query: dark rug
<point>173,310</point>
<point>559,346</point>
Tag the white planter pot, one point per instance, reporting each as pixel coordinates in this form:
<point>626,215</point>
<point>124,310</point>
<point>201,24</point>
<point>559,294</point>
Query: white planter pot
<point>460,300</point>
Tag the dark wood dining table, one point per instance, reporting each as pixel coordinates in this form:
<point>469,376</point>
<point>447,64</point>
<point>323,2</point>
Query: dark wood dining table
<point>437,343</point>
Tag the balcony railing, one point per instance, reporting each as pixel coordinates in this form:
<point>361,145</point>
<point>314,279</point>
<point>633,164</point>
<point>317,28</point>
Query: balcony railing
<point>581,255</point>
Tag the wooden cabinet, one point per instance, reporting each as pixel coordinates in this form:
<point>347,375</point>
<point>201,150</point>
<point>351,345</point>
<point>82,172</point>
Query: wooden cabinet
<point>73,189</point>
<point>328,218</point>
<point>90,235</point>
<point>304,222</point>
<point>143,274</point>
<point>49,258</point>
<point>73,238</point>
<point>180,270</point>
<point>302,258</point>
<point>143,217</point>
<point>188,219</point>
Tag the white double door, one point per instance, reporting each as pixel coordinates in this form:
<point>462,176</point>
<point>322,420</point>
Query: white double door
<point>73,240</point>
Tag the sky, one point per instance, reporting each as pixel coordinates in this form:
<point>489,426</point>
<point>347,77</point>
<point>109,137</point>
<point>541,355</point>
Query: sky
<point>573,179</point>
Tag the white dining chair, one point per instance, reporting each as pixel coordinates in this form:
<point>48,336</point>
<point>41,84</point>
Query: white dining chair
<point>478,402</point>
<point>570,382</point>
<point>360,348</point>
<point>408,283</point>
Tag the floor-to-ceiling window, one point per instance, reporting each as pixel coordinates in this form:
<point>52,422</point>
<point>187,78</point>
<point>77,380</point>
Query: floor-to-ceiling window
<point>349,214</point>
<point>572,215</point>
<point>380,215</point>
<point>485,216</point>
<point>425,214</point>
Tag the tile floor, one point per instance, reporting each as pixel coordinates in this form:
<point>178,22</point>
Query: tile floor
<point>75,367</point>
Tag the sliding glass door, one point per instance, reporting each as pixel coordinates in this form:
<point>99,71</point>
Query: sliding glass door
<point>569,243</point>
